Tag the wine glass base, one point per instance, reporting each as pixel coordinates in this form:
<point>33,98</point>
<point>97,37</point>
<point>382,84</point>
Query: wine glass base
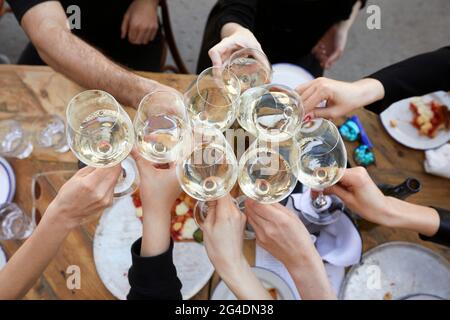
<point>128,181</point>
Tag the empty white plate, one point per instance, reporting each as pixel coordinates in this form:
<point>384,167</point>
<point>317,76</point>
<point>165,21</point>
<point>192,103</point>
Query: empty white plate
<point>290,75</point>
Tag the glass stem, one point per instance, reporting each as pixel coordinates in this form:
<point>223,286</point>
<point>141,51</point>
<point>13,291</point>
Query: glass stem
<point>320,201</point>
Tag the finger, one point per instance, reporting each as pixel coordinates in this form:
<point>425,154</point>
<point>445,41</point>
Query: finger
<point>333,58</point>
<point>124,27</point>
<point>326,113</point>
<point>153,32</point>
<point>215,56</point>
<point>353,177</point>
<point>314,100</point>
<point>303,87</point>
<point>211,216</point>
<point>225,208</point>
<point>257,227</point>
<point>259,211</point>
<point>339,191</point>
<point>84,171</point>
<point>105,177</point>
<point>308,93</point>
<point>133,34</point>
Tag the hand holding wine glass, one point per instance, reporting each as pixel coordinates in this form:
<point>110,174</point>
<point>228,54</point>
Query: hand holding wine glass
<point>100,134</point>
<point>321,163</point>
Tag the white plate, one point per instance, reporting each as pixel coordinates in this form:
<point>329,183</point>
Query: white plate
<point>118,229</point>
<point>405,133</point>
<point>7,182</point>
<point>2,258</point>
<point>290,75</point>
<point>268,279</point>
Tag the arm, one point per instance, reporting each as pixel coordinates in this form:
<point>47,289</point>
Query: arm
<point>71,56</point>
<point>62,215</point>
<point>362,196</point>
<point>415,76</point>
<point>153,275</point>
<point>223,238</point>
<point>331,46</point>
<point>280,232</point>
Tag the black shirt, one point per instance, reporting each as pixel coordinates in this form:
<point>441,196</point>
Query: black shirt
<point>286,29</point>
<point>415,76</point>
<point>153,278</point>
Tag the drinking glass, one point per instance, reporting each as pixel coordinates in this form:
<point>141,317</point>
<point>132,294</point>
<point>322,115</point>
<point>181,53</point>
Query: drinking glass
<point>266,171</point>
<point>271,112</point>
<point>209,170</point>
<point>14,141</point>
<point>100,134</point>
<point>322,162</point>
<point>49,132</point>
<point>212,99</point>
<point>14,223</point>
<point>251,66</point>
<point>161,126</point>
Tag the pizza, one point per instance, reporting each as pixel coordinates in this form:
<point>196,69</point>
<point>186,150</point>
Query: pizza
<point>429,117</point>
<point>183,226</point>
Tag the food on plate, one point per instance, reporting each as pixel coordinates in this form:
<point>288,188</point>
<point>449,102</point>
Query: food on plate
<point>429,117</point>
<point>387,296</point>
<point>393,123</point>
<point>183,226</point>
<point>273,293</point>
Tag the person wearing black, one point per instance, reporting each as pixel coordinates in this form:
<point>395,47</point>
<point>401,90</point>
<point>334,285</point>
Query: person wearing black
<point>308,33</point>
<point>82,38</point>
<point>422,74</point>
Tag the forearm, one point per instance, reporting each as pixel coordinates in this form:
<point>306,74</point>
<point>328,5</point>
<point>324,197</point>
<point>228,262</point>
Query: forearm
<point>369,91</point>
<point>355,10</point>
<point>310,277</point>
<point>243,282</point>
<point>156,229</point>
<point>405,215</point>
<point>33,257</point>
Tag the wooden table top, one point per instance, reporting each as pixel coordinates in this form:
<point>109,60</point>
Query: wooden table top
<point>27,91</point>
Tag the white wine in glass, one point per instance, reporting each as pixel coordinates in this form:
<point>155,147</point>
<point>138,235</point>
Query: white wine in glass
<point>321,164</point>
<point>266,173</point>
<point>251,66</point>
<point>209,170</point>
<point>271,112</point>
<point>161,126</point>
<point>100,134</point>
<point>212,100</point>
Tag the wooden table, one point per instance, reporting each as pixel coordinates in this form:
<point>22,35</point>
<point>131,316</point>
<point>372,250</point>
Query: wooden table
<point>31,91</point>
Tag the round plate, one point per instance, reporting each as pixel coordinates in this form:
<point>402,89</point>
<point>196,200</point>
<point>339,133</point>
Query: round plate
<point>269,280</point>
<point>2,258</point>
<point>290,75</point>
<point>7,182</point>
<point>118,229</point>
<point>396,270</point>
<point>405,133</point>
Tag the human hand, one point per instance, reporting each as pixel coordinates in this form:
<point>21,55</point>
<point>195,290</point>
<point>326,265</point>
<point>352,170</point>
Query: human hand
<point>332,44</point>
<point>159,186</point>
<point>140,22</point>
<point>234,37</point>
<point>342,97</point>
<point>361,195</point>
<point>88,192</point>
<point>223,231</point>
<point>280,232</point>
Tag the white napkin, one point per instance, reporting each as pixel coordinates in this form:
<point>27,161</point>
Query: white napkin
<point>339,244</point>
<point>437,161</point>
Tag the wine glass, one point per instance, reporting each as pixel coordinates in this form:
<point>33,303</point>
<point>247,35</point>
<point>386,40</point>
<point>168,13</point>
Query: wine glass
<point>14,140</point>
<point>271,112</point>
<point>212,99</point>
<point>321,164</point>
<point>209,170</point>
<point>251,66</point>
<point>49,132</point>
<point>161,126</point>
<point>100,134</point>
<point>266,171</point>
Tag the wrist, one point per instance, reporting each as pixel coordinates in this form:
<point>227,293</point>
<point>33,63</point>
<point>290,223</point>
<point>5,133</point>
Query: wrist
<point>369,91</point>
<point>57,219</point>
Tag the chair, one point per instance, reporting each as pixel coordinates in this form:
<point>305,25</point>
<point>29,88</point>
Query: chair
<point>169,43</point>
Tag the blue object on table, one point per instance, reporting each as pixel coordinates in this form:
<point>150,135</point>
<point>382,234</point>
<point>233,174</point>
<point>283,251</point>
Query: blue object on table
<point>364,137</point>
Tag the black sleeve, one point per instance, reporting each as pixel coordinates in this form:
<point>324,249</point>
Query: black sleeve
<point>20,7</point>
<point>153,278</point>
<point>242,12</point>
<point>442,236</point>
<point>416,76</point>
